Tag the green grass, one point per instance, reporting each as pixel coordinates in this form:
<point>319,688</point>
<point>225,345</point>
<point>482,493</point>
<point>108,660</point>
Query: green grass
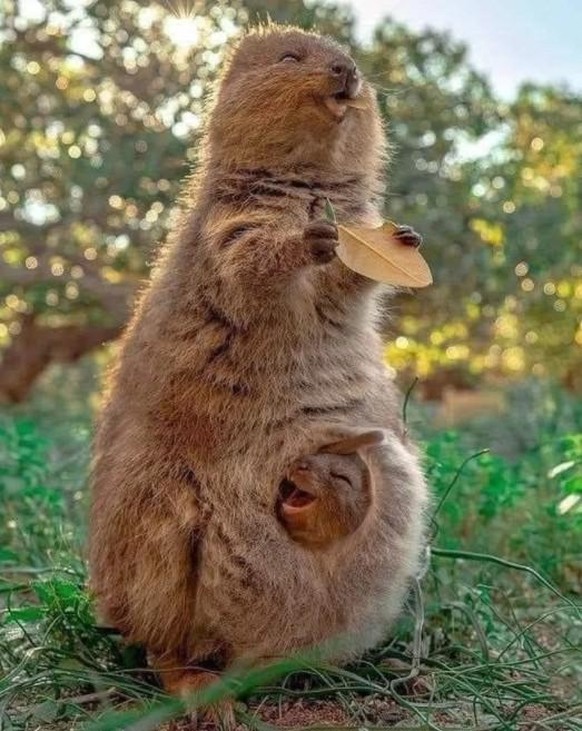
<point>491,638</point>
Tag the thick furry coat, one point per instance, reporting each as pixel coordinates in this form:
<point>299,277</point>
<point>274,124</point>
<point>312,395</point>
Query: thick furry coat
<point>246,351</point>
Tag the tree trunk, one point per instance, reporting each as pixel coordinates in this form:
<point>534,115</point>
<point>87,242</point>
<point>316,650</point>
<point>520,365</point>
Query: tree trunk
<point>36,347</point>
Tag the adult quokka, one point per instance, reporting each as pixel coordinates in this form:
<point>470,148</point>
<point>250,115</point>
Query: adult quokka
<point>254,345</point>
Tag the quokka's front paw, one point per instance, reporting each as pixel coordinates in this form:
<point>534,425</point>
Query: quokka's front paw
<point>322,240</point>
<point>408,236</point>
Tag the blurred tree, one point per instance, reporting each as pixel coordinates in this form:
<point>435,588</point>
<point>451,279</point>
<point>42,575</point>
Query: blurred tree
<point>97,100</point>
<point>100,113</point>
<point>437,109</point>
<point>497,191</point>
<point>535,195</point>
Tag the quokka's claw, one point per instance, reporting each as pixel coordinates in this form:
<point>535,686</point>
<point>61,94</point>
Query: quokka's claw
<point>408,236</point>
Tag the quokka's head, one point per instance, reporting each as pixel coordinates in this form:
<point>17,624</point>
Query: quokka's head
<point>288,98</point>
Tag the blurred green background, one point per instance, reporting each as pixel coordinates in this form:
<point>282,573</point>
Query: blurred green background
<point>101,108</point>
<point>100,119</point>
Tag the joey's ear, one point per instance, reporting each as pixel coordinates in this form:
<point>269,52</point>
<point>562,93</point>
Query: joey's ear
<point>355,442</point>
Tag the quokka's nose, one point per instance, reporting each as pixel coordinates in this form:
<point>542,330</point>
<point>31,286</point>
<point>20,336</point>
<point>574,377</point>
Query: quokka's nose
<point>342,67</point>
<point>345,70</point>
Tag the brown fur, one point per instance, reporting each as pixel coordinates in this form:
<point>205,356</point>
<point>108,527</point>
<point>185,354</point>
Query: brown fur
<point>245,348</point>
<point>325,497</point>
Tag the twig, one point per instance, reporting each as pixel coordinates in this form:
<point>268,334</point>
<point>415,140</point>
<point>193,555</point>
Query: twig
<point>453,482</point>
<point>405,404</point>
<point>487,558</point>
<point>76,700</point>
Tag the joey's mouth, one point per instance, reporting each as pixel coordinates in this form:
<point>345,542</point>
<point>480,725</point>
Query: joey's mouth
<point>293,497</point>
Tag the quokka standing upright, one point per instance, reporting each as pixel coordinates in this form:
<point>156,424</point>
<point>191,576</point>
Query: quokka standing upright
<point>254,345</point>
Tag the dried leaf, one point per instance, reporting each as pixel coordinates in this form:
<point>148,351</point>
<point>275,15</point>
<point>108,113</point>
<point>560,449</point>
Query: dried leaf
<point>376,254</point>
<point>356,103</point>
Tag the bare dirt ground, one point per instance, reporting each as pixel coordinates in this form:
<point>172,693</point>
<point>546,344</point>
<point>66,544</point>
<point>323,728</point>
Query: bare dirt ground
<point>369,712</point>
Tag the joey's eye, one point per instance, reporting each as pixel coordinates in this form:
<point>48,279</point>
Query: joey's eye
<point>289,57</point>
<point>343,478</point>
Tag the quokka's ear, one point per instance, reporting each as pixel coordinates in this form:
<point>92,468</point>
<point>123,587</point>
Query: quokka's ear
<point>355,442</point>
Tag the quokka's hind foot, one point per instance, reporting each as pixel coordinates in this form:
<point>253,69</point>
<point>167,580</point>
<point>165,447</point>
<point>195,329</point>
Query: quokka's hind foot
<point>219,718</point>
<point>189,684</point>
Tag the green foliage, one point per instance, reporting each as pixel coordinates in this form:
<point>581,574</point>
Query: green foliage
<point>486,641</point>
<point>30,505</point>
<point>531,481</point>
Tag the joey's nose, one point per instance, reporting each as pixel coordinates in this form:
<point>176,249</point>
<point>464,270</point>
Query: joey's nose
<point>345,70</point>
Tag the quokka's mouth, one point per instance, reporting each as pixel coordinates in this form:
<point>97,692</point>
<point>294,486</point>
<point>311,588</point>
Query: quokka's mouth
<point>339,102</point>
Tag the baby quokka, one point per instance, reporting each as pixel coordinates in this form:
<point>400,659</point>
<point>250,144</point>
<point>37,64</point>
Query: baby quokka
<point>325,497</point>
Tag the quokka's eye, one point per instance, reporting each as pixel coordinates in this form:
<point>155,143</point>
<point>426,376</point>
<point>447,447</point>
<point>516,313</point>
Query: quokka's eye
<point>289,57</point>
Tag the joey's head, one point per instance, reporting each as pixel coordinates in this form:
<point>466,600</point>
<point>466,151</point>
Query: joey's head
<point>326,496</point>
<point>291,99</point>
